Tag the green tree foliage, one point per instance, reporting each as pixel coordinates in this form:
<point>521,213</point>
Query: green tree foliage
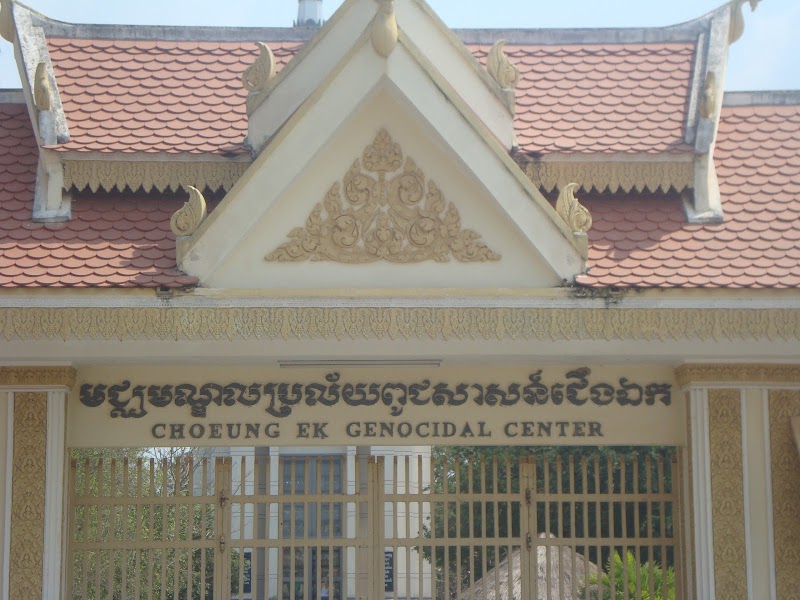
<point>646,581</point>
<point>461,470</point>
<point>160,571</point>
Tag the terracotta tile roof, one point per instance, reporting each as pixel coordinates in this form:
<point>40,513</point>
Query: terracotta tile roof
<point>629,98</point>
<point>106,244</point>
<point>645,242</point>
<point>146,96</point>
<point>186,97</point>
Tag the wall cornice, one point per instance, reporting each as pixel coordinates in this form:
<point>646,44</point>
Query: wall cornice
<point>37,377</point>
<point>699,374</point>
<point>429,323</point>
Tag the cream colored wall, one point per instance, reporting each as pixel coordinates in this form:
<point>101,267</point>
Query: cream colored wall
<point>520,266</point>
<point>659,424</point>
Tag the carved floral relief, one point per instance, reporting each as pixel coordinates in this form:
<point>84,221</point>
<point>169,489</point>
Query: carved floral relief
<point>27,501</point>
<point>725,432</point>
<point>783,405</point>
<point>384,209</point>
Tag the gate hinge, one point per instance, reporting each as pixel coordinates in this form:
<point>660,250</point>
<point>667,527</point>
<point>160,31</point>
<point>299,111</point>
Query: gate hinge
<point>529,542</point>
<point>528,496</point>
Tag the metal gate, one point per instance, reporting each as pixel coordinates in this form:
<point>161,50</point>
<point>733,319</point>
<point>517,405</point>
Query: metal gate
<point>556,526</point>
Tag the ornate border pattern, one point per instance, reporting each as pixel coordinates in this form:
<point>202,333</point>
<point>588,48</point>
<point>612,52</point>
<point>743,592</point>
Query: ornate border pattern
<point>737,373</point>
<point>616,175</point>
<point>727,492</point>
<point>688,555</point>
<point>37,376</point>
<point>27,500</point>
<point>784,404</point>
<point>398,323</point>
<point>149,175</point>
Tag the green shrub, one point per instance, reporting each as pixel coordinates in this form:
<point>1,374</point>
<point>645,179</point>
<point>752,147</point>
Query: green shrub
<point>631,575</point>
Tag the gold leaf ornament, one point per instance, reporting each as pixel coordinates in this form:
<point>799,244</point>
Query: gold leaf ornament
<point>502,70</point>
<point>188,218</point>
<point>576,216</point>
<point>42,92</point>
<point>258,75</point>
<point>7,29</point>
<point>384,31</point>
<point>737,18</point>
<point>384,210</point>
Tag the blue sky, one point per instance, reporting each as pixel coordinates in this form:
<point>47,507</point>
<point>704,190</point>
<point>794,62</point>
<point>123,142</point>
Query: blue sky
<point>768,57</point>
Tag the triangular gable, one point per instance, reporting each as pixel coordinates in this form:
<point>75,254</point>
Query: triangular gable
<point>269,109</point>
<point>415,90</point>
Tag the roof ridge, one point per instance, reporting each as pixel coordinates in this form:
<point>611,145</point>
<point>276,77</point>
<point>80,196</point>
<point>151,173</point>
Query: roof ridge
<point>11,96</point>
<point>762,97</point>
<point>682,32</point>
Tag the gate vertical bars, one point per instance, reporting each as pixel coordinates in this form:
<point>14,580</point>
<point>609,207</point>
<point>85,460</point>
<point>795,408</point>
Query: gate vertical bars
<point>300,523</point>
<point>608,525</point>
<point>132,529</point>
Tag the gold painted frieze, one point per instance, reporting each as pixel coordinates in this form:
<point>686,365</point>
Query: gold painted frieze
<point>384,210</point>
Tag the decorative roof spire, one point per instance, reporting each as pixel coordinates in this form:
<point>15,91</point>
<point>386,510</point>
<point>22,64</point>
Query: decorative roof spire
<point>309,13</point>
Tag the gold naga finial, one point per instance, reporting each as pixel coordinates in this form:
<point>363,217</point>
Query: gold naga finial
<point>501,68</point>
<point>42,91</point>
<point>576,216</point>
<point>503,71</point>
<point>384,32</point>
<point>7,20</point>
<point>257,76</point>
<point>737,18</point>
<point>188,217</point>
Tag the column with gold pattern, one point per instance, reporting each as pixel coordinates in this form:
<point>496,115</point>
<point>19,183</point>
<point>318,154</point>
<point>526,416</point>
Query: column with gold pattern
<point>34,467</point>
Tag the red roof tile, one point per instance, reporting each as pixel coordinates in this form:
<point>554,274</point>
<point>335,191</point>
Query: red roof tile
<point>126,96</point>
<point>627,99</point>
<point>758,164</point>
<point>187,97</point>
<point>93,249</point>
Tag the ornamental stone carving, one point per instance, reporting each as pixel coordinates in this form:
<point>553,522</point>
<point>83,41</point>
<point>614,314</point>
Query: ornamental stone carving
<point>42,91</point>
<point>709,101</point>
<point>504,72</point>
<point>258,75</point>
<point>575,215</point>
<point>783,405</point>
<point>725,444</point>
<point>28,495</point>
<point>737,18</point>
<point>7,29</point>
<point>384,32</point>
<point>384,210</point>
<point>397,323</point>
<point>188,218</point>
<point>615,175</point>
<point>737,373</point>
<point>37,376</point>
<point>149,175</point>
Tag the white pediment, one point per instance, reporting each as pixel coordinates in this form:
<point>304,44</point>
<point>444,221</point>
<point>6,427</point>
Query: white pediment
<point>446,207</point>
<point>344,33</point>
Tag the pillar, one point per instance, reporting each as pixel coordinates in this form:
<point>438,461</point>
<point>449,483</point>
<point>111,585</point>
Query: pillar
<point>745,480</point>
<point>35,464</point>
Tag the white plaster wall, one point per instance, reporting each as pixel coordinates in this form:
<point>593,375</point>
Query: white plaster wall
<point>520,266</point>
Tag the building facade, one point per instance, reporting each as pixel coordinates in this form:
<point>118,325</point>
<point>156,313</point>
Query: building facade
<point>326,258</point>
